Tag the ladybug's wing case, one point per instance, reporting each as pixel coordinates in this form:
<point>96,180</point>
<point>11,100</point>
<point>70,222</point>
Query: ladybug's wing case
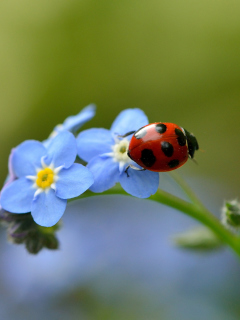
<point>159,147</point>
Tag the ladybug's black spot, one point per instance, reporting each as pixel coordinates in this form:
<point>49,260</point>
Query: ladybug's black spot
<point>140,133</point>
<point>181,137</point>
<point>160,127</point>
<point>148,158</point>
<point>167,148</point>
<point>173,163</point>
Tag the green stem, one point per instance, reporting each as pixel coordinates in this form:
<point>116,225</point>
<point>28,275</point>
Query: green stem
<point>200,214</point>
<point>194,210</point>
<point>185,187</point>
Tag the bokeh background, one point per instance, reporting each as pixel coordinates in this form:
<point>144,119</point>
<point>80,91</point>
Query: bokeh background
<point>179,61</point>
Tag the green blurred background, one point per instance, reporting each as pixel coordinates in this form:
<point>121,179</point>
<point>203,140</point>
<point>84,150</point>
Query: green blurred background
<point>177,60</point>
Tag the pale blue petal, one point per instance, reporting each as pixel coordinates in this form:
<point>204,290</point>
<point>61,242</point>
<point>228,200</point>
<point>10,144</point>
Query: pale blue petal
<point>11,175</point>
<point>27,157</point>
<point>73,181</point>
<point>93,142</point>
<point>47,142</point>
<point>47,209</point>
<point>11,172</point>
<point>17,196</point>
<point>129,120</point>
<point>73,123</point>
<point>62,150</point>
<point>141,184</point>
<point>105,172</point>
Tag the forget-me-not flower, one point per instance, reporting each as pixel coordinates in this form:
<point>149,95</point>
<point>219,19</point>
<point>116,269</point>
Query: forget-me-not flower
<point>46,178</point>
<point>73,123</point>
<point>106,154</point>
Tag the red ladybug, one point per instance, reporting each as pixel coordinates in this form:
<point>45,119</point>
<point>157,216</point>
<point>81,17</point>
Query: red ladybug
<point>161,146</point>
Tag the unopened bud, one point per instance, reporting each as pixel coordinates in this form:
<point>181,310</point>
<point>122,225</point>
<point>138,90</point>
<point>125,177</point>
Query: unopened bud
<point>198,238</point>
<point>34,243</point>
<point>21,229</point>
<point>231,214</point>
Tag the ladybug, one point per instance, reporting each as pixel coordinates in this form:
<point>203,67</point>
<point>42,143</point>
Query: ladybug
<point>161,147</point>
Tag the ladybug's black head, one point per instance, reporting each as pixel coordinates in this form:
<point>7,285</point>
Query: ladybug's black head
<point>192,144</point>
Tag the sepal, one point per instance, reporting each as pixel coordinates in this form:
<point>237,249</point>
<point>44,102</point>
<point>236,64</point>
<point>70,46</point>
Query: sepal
<point>21,229</point>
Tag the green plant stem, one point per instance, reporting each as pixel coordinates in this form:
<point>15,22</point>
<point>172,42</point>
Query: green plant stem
<point>185,187</point>
<point>202,215</point>
<point>194,210</point>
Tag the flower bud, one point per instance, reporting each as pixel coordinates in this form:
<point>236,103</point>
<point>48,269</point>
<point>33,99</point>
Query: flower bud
<point>21,229</point>
<point>231,214</point>
<point>198,238</point>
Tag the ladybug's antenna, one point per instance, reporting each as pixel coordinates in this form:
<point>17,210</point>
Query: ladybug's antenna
<point>194,160</point>
<point>126,134</point>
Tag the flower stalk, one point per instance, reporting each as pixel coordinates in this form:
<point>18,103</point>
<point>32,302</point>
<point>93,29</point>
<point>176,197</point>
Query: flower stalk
<point>194,209</point>
<point>202,214</point>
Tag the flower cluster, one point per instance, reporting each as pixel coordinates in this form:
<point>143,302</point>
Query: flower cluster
<point>44,175</point>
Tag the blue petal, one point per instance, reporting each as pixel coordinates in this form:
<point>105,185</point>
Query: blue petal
<point>17,196</point>
<point>129,120</point>
<point>73,123</point>
<point>62,150</point>
<point>47,209</point>
<point>27,157</point>
<point>47,142</point>
<point>73,181</point>
<point>93,142</point>
<point>11,172</point>
<point>141,184</point>
<point>11,175</point>
<point>105,172</point>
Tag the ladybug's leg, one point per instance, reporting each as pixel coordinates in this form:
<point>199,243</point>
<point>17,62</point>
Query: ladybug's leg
<point>126,134</point>
<point>133,167</point>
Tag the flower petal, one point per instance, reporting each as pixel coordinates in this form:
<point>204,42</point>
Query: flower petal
<point>62,150</point>
<point>47,209</point>
<point>129,120</point>
<point>17,196</point>
<point>105,172</point>
<point>141,184</point>
<point>11,175</point>
<point>93,142</point>
<point>27,157</point>
<point>73,181</point>
<point>11,172</point>
<point>73,123</point>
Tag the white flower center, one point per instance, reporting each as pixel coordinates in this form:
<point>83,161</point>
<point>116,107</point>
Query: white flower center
<point>120,149</point>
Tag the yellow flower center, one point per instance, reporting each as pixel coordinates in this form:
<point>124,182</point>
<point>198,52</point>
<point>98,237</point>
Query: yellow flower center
<point>123,149</point>
<point>45,178</point>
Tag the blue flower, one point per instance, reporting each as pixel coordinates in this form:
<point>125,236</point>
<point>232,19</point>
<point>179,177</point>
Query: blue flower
<point>73,123</point>
<point>106,154</point>
<point>46,178</point>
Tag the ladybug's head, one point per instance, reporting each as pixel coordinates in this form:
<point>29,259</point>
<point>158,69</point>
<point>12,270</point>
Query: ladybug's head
<point>192,144</point>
